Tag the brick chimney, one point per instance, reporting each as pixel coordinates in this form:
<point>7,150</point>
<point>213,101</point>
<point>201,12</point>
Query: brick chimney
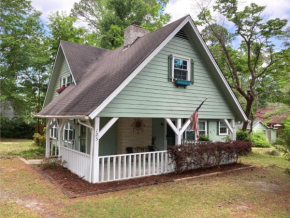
<point>132,32</point>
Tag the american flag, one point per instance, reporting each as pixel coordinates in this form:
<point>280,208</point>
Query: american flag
<point>194,121</point>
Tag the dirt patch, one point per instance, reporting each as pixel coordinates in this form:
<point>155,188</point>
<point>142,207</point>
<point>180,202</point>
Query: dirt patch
<point>74,186</point>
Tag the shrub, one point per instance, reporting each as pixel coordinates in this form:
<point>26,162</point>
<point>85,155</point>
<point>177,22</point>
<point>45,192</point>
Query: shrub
<point>243,135</point>
<point>260,140</point>
<point>273,153</point>
<point>39,140</point>
<point>52,162</point>
<point>204,138</point>
<point>186,157</point>
<point>16,128</point>
<point>280,141</point>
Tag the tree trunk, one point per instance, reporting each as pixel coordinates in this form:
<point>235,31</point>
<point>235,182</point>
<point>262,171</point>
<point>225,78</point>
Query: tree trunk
<point>248,111</point>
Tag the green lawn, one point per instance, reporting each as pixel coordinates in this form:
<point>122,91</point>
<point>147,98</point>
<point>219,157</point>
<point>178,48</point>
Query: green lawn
<point>20,147</point>
<point>261,192</point>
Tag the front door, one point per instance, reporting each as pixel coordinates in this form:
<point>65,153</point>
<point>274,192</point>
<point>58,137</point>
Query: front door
<point>170,135</point>
<point>83,135</point>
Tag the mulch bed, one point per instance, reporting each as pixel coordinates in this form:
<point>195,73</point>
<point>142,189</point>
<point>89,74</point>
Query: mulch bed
<point>73,186</point>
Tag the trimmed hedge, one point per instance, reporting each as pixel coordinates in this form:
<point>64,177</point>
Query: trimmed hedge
<point>16,128</point>
<point>190,156</point>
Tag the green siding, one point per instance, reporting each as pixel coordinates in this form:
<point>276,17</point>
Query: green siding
<point>213,131</point>
<point>150,94</point>
<point>108,143</point>
<point>63,72</point>
<point>259,128</point>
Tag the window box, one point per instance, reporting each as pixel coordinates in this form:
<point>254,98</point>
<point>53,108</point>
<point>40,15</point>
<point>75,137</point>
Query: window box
<point>182,82</point>
<point>61,89</point>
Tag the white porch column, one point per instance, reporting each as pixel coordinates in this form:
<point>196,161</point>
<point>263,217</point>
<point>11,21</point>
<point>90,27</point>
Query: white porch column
<point>234,133</point>
<point>60,125</point>
<point>47,143</point>
<point>179,135</point>
<point>95,148</point>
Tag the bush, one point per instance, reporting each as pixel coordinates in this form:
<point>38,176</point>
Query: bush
<point>190,156</point>
<point>243,135</point>
<point>52,162</point>
<point>204,138</point>
<point>39,140</point>
<point>273,153</point>
<point>16,128</point>
<point>280,141</point>
<point>260,140</point>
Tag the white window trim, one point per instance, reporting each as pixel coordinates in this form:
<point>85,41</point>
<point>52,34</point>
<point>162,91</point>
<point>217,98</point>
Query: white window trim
<point>70,128</point>
<point>62,80</point>
<point>227,133</point>
<point>205,121</point>
<point>188,66</point>
<point>53,130</point>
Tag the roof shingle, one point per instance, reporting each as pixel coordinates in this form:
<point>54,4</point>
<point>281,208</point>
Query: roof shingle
<point>100,74</point>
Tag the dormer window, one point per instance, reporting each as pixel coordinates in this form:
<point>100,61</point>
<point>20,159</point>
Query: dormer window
<point>66,81</point>
<point>181,69</point>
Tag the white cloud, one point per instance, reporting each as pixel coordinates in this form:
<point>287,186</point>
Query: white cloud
<point>274,9</point>
<point>49,6</point>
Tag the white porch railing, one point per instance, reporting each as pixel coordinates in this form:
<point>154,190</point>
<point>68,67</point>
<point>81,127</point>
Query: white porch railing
<point>126,166</point>
<point>53,147</point>
<point>77,162</point>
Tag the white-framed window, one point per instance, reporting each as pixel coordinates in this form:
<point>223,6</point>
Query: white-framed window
<point>53,132</point>
<point>223,130</point>
<point>65,81</point>
<point>68,132</point>
<point>190,134</point>
<point>181,68</point>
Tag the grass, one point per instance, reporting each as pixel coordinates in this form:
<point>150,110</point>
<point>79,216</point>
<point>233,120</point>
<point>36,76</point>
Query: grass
<point>261,192</point>
<point>20,147</point>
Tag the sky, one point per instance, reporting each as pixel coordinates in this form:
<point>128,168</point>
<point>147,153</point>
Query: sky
<point>176,8</point>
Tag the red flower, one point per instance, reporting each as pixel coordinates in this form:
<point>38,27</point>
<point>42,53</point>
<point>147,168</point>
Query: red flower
<point>59,90</point>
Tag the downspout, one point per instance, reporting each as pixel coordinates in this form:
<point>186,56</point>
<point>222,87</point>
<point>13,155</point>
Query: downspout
<point>92,147</point>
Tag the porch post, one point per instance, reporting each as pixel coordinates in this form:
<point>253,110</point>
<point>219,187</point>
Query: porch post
<point>179,135</point>
<point>96,151</point>
<point>47,143</point>
<point>60,125</point>
<point>234,133</point>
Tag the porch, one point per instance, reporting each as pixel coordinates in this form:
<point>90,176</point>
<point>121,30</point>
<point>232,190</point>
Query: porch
<point>108,159</point>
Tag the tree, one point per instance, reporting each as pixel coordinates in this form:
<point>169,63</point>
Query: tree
<point>22,54</point>
<point>247,67</point>
<point>109,18</point>
<point>63,27</point>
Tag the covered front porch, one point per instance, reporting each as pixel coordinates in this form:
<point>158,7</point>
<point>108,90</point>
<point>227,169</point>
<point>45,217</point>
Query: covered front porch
<point>109,149</point>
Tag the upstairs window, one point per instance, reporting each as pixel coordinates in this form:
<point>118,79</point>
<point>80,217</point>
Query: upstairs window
<point>181,69</point>
<point>66,81</point>
<point>223,130</point>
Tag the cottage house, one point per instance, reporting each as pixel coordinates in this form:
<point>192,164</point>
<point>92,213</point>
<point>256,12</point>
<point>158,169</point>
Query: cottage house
<point>112,113</point>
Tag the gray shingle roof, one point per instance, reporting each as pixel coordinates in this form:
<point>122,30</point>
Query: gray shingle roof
<point>96,81</point>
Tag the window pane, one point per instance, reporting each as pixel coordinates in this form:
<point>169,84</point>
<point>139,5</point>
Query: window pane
<point>180,74</point>
<point>201,132</point>
<point>202,126</point>
<point>70,135</point>
<point>65,134</point>
<point>190,135</point>
<point>223,130</point>
<point>180,64</point>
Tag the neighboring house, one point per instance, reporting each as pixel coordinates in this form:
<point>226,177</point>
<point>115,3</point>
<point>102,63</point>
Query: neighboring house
<point>258,126</point>
<point>274,121</point>
<point>114,103</point>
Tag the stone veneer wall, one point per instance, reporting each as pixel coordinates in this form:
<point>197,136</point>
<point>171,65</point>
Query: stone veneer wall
<point>128,138</point>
